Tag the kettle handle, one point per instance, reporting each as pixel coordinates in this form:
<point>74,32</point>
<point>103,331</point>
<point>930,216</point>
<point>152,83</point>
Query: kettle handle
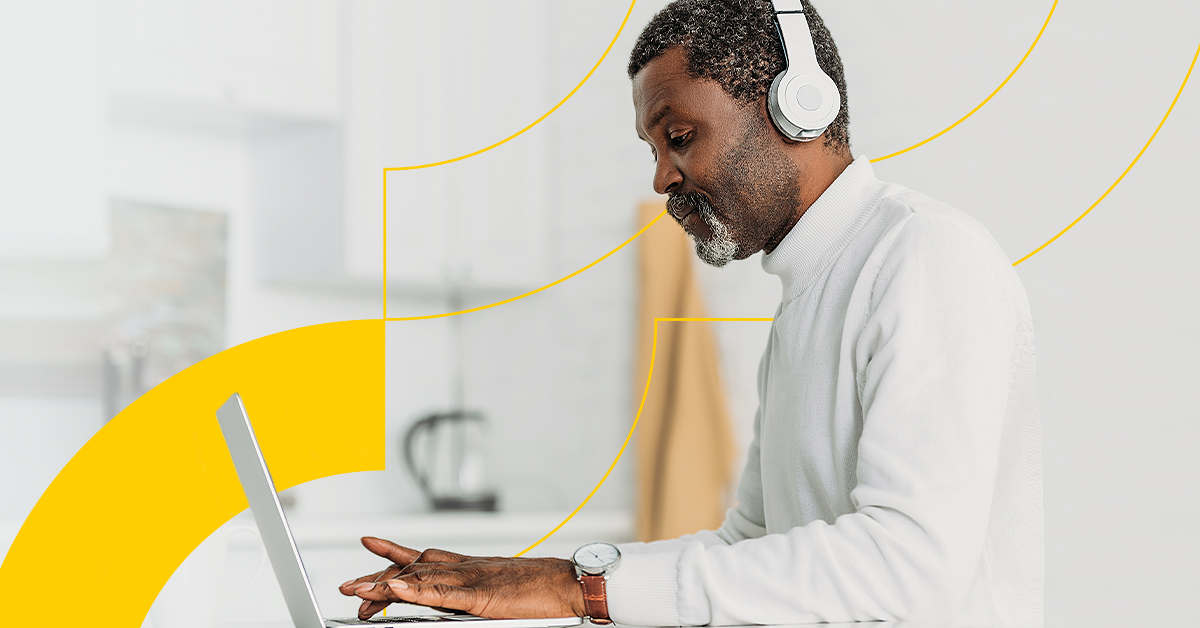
<point>410,459</point>
<point>424,424</point>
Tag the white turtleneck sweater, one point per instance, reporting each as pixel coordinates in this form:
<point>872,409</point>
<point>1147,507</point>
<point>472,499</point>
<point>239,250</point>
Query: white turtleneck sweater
<point>895,470</point>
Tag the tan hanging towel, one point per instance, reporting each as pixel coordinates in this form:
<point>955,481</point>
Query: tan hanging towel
<point>684,442</point>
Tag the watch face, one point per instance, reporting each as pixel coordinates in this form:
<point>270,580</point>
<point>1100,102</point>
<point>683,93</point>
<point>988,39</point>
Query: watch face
<point>597,557</point>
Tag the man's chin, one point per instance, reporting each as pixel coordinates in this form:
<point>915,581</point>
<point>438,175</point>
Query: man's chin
<point>714,263</point>
<point>716,254</point>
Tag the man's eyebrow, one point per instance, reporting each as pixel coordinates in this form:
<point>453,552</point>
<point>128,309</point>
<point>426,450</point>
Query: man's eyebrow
<point>657,117</point>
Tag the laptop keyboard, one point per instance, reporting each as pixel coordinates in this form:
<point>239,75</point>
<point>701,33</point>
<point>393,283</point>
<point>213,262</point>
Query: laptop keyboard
<point>409,619</point>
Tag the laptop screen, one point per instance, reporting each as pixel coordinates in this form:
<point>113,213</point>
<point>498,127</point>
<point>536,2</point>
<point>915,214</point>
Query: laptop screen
<point>268,514</point>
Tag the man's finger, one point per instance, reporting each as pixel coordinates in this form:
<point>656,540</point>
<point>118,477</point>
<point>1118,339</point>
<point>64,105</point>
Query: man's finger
<point>369,608</point>
<point>423,576</point>
<point>403,590</point>
<point>438,595</point>
<point>396,553</point>
<point>347,588</point>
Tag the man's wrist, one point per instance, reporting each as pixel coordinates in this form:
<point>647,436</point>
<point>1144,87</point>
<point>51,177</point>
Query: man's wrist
<point>572,591</point>
<point>593,564</point>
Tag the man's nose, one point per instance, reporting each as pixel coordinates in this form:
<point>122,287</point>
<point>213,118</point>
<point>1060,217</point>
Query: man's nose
<point>666,176</point>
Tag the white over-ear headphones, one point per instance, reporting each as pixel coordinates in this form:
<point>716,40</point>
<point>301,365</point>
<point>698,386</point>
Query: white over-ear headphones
<point>803,100</point>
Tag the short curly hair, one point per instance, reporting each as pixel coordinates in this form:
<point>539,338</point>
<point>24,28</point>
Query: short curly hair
<point>736,44</point>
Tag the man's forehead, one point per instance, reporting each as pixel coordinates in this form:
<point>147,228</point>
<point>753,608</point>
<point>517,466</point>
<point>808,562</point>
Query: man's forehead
<point>657,86</point>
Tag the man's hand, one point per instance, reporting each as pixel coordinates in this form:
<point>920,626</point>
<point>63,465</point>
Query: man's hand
<point>487,587</point>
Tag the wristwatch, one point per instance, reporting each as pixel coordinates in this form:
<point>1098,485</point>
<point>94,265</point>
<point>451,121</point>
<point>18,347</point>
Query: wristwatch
<point>593,563</point>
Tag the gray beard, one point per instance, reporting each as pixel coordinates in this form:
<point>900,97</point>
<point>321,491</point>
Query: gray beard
<point>720,249</point>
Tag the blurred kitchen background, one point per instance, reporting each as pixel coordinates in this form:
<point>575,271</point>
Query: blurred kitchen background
<point>182,177</point>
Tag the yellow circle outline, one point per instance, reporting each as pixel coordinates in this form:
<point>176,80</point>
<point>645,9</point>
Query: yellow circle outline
<point>985,100</point>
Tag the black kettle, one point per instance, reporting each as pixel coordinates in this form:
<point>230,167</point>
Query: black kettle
<point>446,452</point>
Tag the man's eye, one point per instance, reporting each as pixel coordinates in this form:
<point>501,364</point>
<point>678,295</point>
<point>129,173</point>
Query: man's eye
<point>681,140</point>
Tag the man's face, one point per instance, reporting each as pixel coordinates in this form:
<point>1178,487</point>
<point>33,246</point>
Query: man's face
<point>731,185</point>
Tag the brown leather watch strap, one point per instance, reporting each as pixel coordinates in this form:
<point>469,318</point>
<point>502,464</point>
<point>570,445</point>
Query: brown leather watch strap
<point>595,599</point>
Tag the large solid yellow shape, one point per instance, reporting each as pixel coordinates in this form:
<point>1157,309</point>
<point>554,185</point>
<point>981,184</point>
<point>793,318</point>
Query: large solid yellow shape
<point>157,480</point>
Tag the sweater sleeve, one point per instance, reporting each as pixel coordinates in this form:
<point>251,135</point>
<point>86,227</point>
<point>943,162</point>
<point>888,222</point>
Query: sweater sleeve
<point>644,591</point>
<point>932,362</point>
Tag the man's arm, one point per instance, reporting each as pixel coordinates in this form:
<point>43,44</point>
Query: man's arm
<point>644,590</point>
<point>447,580</point>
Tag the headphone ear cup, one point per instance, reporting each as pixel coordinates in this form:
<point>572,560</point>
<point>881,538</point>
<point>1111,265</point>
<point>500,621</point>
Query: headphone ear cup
<point>803,104</point>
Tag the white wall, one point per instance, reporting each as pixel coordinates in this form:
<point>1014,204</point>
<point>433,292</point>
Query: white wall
<point>53,130</point>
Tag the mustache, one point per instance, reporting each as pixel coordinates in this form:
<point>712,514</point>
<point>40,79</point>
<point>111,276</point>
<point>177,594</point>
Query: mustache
<point>719,248</point>
<point>681,205</point>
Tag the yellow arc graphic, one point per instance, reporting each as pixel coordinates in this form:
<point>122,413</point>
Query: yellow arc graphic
<point>985,100</point>
<point>520,296</point>
<point>636,418</point>
<point>1127,168</point>
<point>157,480</point>
<point>543,116</point>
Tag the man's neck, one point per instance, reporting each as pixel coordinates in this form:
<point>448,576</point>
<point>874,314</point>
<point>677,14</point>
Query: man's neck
<point>817,175</point>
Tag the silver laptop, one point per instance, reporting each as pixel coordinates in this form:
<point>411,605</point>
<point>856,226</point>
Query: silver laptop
<point>281,546</point>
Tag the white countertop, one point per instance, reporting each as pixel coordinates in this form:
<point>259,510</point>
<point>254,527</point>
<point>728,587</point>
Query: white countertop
<point>444,530</point>
<point>447,529</point>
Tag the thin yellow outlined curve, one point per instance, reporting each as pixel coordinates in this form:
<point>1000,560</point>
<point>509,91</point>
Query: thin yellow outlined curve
<point>985,100</point>
<point>1053,6</point>
<point>587,76</point>
<point>1128,168</point>
<point>544,115</point>
<point>531,292</point>
<point>636,418</point>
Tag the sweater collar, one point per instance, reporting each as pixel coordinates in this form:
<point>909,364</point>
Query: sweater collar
<point>825,229</point>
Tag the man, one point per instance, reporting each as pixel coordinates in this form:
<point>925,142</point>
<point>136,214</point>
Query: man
<point>895,470</point>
